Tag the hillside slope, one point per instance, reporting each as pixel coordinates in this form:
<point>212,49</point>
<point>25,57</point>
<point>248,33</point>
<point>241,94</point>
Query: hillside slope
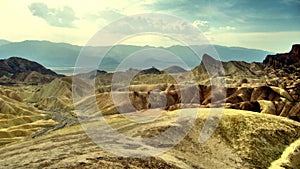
<point>241,140</point>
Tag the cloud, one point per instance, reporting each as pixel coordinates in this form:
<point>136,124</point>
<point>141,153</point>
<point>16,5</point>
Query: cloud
<point>54,16</point>
<point>154,24</point>
<point>202,25</point>
<point>294,2</point>
<point>227,28</point>
<point>248,16</point>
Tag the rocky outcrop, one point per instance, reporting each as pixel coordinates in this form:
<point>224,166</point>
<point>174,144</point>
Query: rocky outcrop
<point>234,71</point>
<point>283,70</point>
<point>279,61</point>
<point>264,99</point>
<point>271,87</point>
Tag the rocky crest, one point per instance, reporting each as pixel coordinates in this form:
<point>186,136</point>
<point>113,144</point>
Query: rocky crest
<point>283,70</point>
<point>231,68</point>
<point>152,70</point>
<point>286,63</point>
<point>277,79</point>
<point>284,59</point>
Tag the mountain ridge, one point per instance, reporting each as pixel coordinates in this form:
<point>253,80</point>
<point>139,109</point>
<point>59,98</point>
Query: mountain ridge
<point>49,53</point>
<point>4,42</point>
<point>284,59</point>
<point>16,69</point>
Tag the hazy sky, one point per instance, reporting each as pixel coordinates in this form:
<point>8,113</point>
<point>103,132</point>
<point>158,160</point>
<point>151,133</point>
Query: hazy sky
<point>272,25</point>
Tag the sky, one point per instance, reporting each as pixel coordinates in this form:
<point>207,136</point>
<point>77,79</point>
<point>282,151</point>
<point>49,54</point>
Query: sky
<point>272,25</point>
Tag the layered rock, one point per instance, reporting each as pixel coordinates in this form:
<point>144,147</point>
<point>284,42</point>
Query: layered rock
<point>271,87</point>
<point>264,99</point>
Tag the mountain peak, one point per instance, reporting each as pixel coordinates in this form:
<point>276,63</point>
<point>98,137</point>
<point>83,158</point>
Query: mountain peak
<point>19,65</point>
<point>174,69</point>
<point>208,58</point>
<point>295,49</point>
<point>151,70</point>
<point>18,69</point>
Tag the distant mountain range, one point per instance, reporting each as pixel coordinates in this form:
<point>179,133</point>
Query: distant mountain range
<point>61,57</point>
<point>4,42</point>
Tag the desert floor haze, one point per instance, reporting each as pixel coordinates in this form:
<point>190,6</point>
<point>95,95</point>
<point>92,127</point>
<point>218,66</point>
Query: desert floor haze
<point>259,127</point>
